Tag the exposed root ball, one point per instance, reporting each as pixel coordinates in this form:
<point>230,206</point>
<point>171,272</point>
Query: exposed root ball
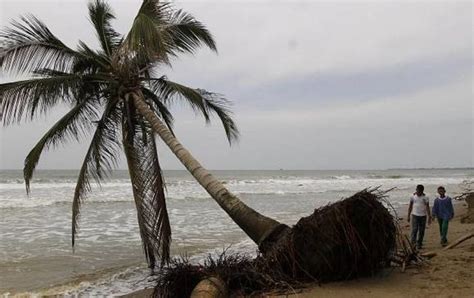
<point>350,238</point>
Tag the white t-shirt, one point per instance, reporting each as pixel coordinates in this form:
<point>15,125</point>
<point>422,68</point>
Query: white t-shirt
<point>419,205</point>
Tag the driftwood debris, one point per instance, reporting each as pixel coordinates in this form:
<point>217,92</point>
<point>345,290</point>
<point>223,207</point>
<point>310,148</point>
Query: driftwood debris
<point>430,254</point>
<point>406,254</point>
<point>459,241</point>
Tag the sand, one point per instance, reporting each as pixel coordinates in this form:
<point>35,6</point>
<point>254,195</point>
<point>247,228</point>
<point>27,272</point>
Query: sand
<point>449,274</point>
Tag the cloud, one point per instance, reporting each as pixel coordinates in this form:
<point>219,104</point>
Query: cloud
<point>315,85</point>
<point>372,84</point>
<point>431,128</point>
<point>261,42</point>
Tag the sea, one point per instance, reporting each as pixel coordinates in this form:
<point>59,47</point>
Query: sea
<point>36,256</point>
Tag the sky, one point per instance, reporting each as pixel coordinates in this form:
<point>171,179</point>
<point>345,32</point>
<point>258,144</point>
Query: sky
<point>314,85</point>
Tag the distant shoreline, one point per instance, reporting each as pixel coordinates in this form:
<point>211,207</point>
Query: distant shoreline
<point>448,168</point>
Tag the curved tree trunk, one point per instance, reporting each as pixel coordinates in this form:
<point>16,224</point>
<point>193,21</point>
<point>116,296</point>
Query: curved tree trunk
<point>257,226</point>
<point>212,287</point>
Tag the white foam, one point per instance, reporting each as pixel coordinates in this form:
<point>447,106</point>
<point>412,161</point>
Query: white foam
<point>124,282</point>
<point>342,177</point>
<point>138,278</point>
<point>46,194</point>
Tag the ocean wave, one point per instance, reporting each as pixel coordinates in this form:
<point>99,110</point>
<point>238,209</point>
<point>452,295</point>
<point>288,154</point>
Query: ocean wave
<point>45,194</point>
<point>281,192</point>
<point>60,184</point>
<point>395,176</point>
<point>43,202</point>
<point>342,177</point>
<point>289,180</point>
<point>71,180</point>
<point>11,204</point>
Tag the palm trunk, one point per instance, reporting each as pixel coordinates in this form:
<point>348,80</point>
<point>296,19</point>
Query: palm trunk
<point>257,226</point>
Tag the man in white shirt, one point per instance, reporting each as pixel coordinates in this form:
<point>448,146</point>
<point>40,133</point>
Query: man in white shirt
<point>418,213</point>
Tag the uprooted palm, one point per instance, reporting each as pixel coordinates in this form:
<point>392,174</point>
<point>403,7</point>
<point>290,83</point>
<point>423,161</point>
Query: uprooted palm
<point>115,92</point>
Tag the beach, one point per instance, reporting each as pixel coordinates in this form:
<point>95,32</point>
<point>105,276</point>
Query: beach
<point>36,256</point>
<point>130,149</point>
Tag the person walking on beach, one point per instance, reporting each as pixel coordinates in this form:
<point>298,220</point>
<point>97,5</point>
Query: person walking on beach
<point>419,213</point>
<point>443,210</point>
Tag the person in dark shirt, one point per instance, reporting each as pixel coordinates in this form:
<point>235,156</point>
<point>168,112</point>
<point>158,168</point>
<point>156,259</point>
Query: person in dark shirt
<point>443,210</point>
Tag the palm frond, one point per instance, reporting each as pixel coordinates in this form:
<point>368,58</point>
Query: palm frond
<point>184,34</point>
<point>159,32</point>
<point>161,109</point>
<point>33,94</point>
<point>95,59</point>
<point>101,15</point>
<point>200,100</point>
<point>71,126</point>
<point>169,91</point>
<point>30,45</point>
<point>217,104</point>
<point>157,211</point>
<point>144,37</point>
<point>148,188</point>
<point>100,159</point>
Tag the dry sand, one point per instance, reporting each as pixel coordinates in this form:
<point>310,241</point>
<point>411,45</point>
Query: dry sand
<point>449,274</point>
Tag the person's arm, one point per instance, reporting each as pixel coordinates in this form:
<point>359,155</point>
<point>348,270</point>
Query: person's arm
<point>428,211</point>
<point>435,211</point>
<point>451,209</point>
<point>410,207</point>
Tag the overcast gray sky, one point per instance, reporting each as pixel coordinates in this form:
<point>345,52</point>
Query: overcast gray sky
<point>315,85</point>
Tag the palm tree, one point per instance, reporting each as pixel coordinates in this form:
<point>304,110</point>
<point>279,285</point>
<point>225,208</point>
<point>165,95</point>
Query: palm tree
<point>115,92</point>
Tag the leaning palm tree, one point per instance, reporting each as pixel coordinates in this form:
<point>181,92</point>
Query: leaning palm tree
<point>118,93</point>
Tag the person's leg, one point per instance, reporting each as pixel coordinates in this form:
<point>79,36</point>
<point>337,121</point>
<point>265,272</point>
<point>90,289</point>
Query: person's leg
<point>440,223</point>
<point>444,231</point>
<point>421,230</point>
<point>414,229</point>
